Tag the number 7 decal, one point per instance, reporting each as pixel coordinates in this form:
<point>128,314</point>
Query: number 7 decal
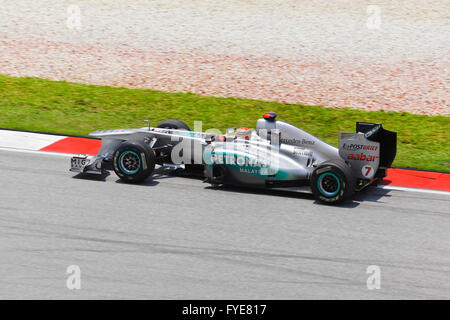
<point>367,171</point>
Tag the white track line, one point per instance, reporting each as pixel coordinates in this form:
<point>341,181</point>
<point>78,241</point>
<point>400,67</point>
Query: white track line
<point>27,140</point>
<point>387,187</point>
<point>59,154</point>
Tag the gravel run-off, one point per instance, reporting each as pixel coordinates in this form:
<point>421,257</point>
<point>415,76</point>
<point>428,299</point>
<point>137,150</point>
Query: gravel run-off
<point>391,57</point>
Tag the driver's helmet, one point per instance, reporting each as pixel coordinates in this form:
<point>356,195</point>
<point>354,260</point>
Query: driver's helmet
<point>243,133</point>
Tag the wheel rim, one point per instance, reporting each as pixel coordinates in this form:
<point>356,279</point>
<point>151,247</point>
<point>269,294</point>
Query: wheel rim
<point>129,162</point>
<point>328,184</point>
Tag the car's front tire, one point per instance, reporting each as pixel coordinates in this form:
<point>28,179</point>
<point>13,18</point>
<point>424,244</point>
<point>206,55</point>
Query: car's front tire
<point>332,182</point>
<point>133,161</point>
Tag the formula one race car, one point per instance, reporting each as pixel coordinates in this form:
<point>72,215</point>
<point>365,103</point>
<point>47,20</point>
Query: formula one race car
<point>275,155</point>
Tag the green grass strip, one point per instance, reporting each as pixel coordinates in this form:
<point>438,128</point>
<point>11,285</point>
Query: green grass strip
<point>71,108</point>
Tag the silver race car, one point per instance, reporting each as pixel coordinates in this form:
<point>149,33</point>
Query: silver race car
<point>277,155</point>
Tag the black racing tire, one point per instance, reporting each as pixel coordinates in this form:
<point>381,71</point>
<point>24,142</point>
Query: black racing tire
<point>171,124</point>
<point>174,124</point>
<point>133,161</point>
<point>332,182</point>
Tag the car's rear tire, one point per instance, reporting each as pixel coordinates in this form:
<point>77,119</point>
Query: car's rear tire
<point>133,161</point>
<point>174,124</point>
<point>332,182</point>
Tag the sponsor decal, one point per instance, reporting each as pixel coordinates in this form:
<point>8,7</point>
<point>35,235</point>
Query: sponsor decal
<point>361,157</point>
<point>372,131</point>
<point>241,161</point>
<point>258,171</point>
<point>250,165</point>
<point>302,152</point>
<point>324,169</point>
<point>144,162</point>
<point>355,147</point>
<point>247,170</point>
<point>368,171</point>
<point>298,142</point>
<point>78,162</point>
<point>267,172</point>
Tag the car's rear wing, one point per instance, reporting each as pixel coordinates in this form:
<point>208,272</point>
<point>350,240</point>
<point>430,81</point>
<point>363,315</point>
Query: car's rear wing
<point>388,143</point>
<point>369,151</point>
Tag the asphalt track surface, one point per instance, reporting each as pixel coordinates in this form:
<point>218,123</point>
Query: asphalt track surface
<point>177,238</point>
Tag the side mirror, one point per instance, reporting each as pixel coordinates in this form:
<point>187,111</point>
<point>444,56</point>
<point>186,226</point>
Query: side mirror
<point>148,121</point>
